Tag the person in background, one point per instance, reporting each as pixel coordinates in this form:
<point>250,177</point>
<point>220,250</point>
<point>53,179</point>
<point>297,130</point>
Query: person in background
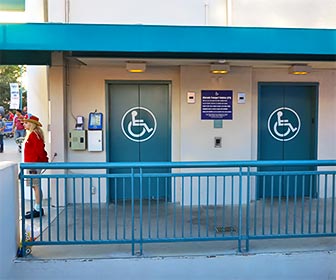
<point>10,116</point>
<point>34,151</point>
<point>18,128</point>
<point>2,129</point>
<point>24,111</point>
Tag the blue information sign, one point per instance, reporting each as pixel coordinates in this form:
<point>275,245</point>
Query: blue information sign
<point>216,105</point>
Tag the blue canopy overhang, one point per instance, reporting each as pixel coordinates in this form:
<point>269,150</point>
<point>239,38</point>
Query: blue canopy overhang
<point>33,43</point>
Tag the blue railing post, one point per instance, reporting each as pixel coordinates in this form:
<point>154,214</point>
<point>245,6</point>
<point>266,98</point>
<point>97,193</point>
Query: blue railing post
<point>132,202</point>
<point>333,203</point>
<point>248,190</point>
<point>23,221</point>
<point>240,211</point>
<point>140,218</point>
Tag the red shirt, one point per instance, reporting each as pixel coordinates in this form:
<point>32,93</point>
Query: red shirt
<point>34,149</point>
<point>18,122</point>
<point>10,116</point>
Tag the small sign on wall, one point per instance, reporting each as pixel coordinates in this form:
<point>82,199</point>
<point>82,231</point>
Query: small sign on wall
<point>216,104</point>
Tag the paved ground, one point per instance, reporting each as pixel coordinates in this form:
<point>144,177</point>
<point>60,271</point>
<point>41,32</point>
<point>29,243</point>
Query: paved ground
<point>11,152</point>
<point>83,223</point>
<point>306,266</point>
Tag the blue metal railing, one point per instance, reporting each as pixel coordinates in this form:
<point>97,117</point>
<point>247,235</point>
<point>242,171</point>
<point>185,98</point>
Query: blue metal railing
<point>132,203</point>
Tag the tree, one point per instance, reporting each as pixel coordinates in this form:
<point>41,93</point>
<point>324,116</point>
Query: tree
<point>11,74</point>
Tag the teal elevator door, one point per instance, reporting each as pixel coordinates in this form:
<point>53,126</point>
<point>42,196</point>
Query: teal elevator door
<point>286,131</point>
<point>139,122</point>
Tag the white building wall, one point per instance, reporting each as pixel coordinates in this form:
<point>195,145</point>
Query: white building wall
<point>173,12</point>
<point>284,13</point>
<point>261,13</point>
<point>197,136</point>
<point>87,93</point>
<point>327,114</point>
<point>37,82</point>
<point>9,222</point>
<point>37,76</point>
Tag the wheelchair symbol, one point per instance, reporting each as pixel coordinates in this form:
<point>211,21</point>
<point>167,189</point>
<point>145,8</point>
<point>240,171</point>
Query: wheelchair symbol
<point>136,128</point>
<point>284,124</point>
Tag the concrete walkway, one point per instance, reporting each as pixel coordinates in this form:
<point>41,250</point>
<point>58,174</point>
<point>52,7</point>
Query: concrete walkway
<point>82,223</point>
<point>276,266</point>
<point>11,152</point>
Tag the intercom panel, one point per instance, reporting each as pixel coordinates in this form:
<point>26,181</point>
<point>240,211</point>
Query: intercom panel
<point>95,121</point>
<point>77,140</point>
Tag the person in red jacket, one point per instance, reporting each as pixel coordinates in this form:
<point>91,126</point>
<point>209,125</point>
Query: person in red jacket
<point>34,151</point>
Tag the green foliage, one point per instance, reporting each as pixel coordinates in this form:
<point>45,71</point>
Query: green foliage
<point>11,74</point>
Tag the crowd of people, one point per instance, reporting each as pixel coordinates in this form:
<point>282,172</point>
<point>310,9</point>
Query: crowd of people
<point>11,125</point>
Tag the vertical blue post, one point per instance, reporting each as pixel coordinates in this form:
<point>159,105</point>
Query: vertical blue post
<point>240,210</point>
<point>333,204</point>
<point>132,202</point>
<point>141,222</point>
<point>23,221</point>
<point>247,243</point>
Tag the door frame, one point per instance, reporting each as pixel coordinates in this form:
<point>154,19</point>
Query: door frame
<point>282,84</point>
<point>107,110</point>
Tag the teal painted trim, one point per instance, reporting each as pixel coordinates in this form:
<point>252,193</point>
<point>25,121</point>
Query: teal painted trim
<point>167,39</point>
<point>12,5</point>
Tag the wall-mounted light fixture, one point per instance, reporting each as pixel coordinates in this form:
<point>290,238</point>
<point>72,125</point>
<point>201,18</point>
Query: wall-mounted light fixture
<point>219,68</point>
<point>299,69</point>
<point>136,67</point>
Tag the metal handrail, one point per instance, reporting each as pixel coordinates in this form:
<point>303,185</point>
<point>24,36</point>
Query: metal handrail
<point>225,190</point>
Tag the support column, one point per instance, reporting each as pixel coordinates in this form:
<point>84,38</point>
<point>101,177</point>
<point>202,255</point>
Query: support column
<point>37,103</point>
<point>57,106</point>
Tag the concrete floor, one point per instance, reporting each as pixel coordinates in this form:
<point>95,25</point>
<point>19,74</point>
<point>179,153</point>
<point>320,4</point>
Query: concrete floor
<point>11,151</point>
<point>275,266</point>
<point>87,222</point>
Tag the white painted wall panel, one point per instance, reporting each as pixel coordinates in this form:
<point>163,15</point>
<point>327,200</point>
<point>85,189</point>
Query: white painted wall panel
<point>284,13</point>
<point>197,136</point>
<point>262,13</point>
